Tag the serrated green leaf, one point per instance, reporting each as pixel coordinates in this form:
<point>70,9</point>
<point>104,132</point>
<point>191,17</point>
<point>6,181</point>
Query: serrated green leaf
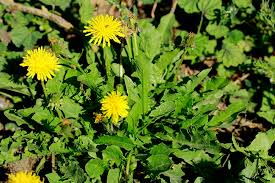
<point>200,43</point>
<point>70,108</point>
<point>93,78</point>
<point>113,154</point>
<point>262,143</point>
<point>163,109</point>
<point>166,59</point>
<point>197,121</point>
<point>42,115</point>
<point>113,176</point>
<point>207,7</point>
<point>123,142</point>
<point>53,177</point>
<point>268,115</point>
<point>86,10</point>
<point>192,84</point>
<point>192,157</point>
<point>175,174</point>
<point>131,89</point>
<point>167,22</point>
<point>235,36</point>
<point>95,168</point>
<point>133,117</point>
<point>61,3</point>
<point>250,170</point>
<point>242,3</point>
<point>24,36</point>
<point>6,83</point>
<point>118,69</point>
<point>144,70</point>
<point>150,42</point>
<point>217,30</point>
<point>231,55</point>
<point>160,149</point>
<point>189,6</point>
<point>223,116</point>
<point>58,147</point>
<point>13,117</point>
<point>159,163</point>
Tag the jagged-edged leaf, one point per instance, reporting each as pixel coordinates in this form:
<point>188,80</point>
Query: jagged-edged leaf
<point>192,84</point>
<point>113,175</point>
<point>144,71</point>
<point>133,117</point>
<point>86,10</point>
<point>242,3</point>
<point>123,142</point>
<point>165,27</point>
<point>150,41</point>
<point>160,149</point>
<point>70,108</point>
<point>262,143</point>
<point>231,55</point>
<point>24,36</point>
<point>224,116</point>
<point>113,154</point>
<point>189,6</point>
<point>95,168</point>
<point>197,121</point>
<point>175,174</point>
<point>16,118</point>
<point>207,7</point>
<point>163,109</point>
<point>192,157</point>
<point>166,59</point>
<point>217,30</point>
<point>61,3</point>
<point>58,147</point>
<point>159,162</point>
<point>92,78</point>
<point>131,89</point>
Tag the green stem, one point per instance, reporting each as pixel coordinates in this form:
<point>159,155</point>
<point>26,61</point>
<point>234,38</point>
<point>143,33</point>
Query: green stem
<point>128,163</point>
<point>44,89</point>
<point>135,45</point>
<point>199,28</point>
<point>178,65</point>
<point>129,49</point>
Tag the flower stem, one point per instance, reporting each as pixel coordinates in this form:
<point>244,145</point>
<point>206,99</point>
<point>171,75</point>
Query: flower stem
<point>44,89</point>
<point>201,20</point>
<point>135,45</point>
<point>128,163</point>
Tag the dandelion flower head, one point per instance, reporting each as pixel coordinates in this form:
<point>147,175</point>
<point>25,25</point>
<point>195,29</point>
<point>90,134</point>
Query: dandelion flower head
<point>115,106</point>
<point>103,29</point>
<point>40,62</point>
<point>24,177</point>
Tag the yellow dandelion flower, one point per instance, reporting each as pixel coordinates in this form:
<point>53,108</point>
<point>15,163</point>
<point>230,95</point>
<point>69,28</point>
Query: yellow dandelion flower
<point>104,28</point>
<point>41,62</point>
<point>24,177</point>
<point>114,106</point>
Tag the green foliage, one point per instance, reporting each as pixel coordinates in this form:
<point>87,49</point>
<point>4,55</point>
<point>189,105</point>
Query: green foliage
<point>190,87</point>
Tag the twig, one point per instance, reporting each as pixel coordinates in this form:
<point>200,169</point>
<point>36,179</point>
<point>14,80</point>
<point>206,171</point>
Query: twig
<point>174,5</point>
<point>154,9</point>
<point>43,13</point>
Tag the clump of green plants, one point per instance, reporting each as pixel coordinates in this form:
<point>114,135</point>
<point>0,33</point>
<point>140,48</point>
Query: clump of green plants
<point>147,91</point>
